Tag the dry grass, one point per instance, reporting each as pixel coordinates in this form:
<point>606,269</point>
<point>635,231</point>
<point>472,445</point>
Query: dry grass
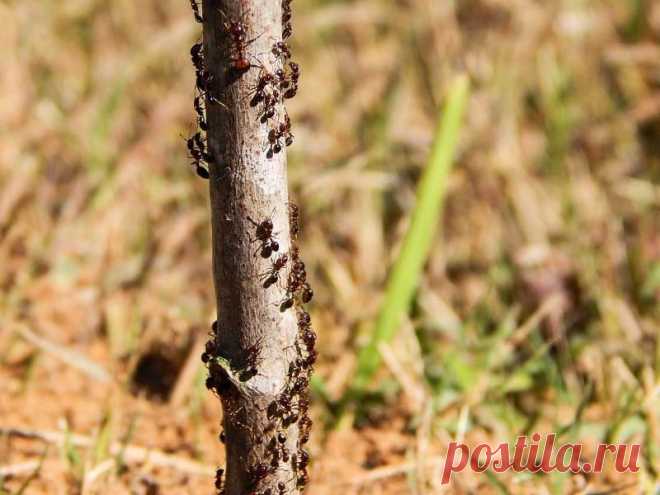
<point>538,309</point>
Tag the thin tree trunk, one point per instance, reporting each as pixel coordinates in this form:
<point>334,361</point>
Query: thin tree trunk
<point>254,349</point>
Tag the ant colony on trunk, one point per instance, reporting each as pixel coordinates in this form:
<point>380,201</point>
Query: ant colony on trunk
<point>276,81</point>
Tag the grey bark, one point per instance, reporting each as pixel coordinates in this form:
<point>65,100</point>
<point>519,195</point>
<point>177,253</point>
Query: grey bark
<point>246,184</point>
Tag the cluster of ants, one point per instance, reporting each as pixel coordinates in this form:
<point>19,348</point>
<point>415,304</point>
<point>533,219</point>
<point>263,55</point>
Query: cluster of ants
<point>275,84</point>
<point>291,406</point>
<point>272,88</point>
<point>238,65</point>
<point>197,147</point>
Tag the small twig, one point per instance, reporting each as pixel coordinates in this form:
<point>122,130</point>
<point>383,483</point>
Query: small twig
<point>394,470</point>
<point>18,469</point>
<point>66,355</point>
<point>93,474</point>
<point>408,384</point>
<point>132,453</point>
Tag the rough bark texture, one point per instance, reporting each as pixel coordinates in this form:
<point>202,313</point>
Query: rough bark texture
<point>247,185</point>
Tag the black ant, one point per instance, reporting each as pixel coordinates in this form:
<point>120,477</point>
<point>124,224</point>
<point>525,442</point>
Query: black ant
<point>303,478</point>
<point>303,459</point>
<point>309,361</point>
<point>251,361</point>
<point>287,30</point>
<point>266,79</point>
<point>300,384</point>
<point>305,422</point>
<point>297,276</point>
<point>270,101</point>
<point>308,338</point>
<point>201,115</point>
<point>286,304</point>
<point>281,49</point>
<point>264,233</point>
<point>294,220</point>
<point>272,275</point>
<point>197,151</point>
<point>305,426</point>
<point>274,143</point>
<point>197,148</point>
<point>218,478</point>
<point>295,75</point>
<point>304,320</point>
<point>195,8</point>
<point>283,131</point>
<point>197,56</point>
<point>307,293</point>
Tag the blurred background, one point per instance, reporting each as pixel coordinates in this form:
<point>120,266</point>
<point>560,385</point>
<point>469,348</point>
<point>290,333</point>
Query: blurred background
<point>537,310</point>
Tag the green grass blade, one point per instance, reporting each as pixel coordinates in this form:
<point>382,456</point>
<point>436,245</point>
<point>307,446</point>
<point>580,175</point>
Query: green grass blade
<point>417,243</point>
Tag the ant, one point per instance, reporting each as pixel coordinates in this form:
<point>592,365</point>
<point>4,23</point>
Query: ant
<point>264,233</point>
<point>286,304</point>
<point>285,130</point>
<point>297,276</point>
<point>286,19</point>
<point>303,459</point>
<point>270,101</point>
<point>274,142</point>
<point>305,422</point>
<point>309,361</point>
<point>309,338</point>
<point>238,60</point>
<point>272,276</point>
<point>218,478</point>
<point>276,134</point>
<point>266,79</point>
<point>281,76</point>
<point>303,478</point>
<point>195,8</point>
<point>307,293</point>
<point>304,320</point>
<point>294,220</point>
<point>197,55</point>
<point>197,151</point>
<point>305,429</point>
<point>197,148</point>
<point>203,77</point>
<point>300,384</point>
<point>295,75</point>
<point>201,115</point>
<point>251,361</point>
<point>281,49</point>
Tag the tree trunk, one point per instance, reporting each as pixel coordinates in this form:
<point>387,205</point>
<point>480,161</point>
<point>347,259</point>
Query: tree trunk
<point>257,363</point>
